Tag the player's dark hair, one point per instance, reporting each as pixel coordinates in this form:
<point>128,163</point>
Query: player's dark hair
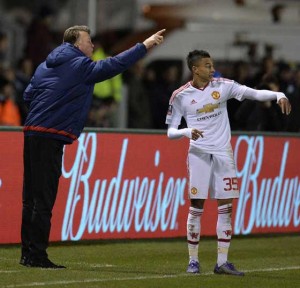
<point>194,56</point>
<point>71,35</point>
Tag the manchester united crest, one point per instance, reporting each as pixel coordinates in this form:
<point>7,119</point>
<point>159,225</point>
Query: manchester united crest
<point>215,95</point>
<point>194,190</point>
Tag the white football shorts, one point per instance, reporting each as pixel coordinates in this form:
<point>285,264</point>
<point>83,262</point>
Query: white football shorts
<point>213,173</point>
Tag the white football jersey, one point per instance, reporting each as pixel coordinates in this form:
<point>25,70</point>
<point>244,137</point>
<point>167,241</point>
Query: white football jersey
<point>206,110</point>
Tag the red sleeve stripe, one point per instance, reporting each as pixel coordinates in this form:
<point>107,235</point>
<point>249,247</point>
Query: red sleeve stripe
<point>176,92</point>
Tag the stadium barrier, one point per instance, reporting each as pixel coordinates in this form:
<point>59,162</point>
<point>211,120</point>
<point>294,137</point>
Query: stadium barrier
<point>119,184</point>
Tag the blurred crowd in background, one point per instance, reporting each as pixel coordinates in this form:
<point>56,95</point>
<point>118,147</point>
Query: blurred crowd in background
<point>143,92</point>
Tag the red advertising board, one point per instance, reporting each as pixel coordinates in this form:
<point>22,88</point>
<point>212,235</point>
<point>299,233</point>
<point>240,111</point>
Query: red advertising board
<point>126,185</point>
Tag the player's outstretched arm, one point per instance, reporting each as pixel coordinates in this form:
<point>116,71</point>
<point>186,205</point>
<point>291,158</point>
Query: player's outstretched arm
<point>155,39</point>
<point>268,95</point>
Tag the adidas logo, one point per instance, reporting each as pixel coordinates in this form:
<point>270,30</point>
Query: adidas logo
<point>193,102</point>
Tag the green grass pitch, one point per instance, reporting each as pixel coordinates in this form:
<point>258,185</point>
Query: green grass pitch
<point>268,261</point>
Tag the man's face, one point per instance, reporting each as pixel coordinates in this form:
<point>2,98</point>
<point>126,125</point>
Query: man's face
<point>84,43</point>
<point>204,69</point>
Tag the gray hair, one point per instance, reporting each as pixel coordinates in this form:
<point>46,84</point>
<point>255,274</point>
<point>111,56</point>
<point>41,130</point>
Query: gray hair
<point>71,35</point>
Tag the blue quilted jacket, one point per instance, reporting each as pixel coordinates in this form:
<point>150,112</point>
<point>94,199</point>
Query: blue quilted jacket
<point>59,94</point>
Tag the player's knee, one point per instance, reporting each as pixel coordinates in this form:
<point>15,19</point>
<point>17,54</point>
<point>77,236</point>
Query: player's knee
<point>224,201</point>
<point>197,203</point>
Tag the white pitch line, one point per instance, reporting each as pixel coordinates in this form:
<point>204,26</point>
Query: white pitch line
<point>273,269</point>
<point>96,265</point>
<point>77,263</point>
<point>35,284</point>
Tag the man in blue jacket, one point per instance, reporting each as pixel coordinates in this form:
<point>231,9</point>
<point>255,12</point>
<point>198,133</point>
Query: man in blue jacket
<point>59,96</point>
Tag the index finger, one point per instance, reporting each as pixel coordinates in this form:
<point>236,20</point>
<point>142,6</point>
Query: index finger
<point>160,32</point>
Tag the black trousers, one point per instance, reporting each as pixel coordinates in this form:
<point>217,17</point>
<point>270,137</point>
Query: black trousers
<point>42,169</point>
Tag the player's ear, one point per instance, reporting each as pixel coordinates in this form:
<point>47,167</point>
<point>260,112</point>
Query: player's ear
<point>194,69</point>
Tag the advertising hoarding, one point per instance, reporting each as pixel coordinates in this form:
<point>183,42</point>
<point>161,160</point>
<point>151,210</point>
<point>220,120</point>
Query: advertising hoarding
<point>127,185</point>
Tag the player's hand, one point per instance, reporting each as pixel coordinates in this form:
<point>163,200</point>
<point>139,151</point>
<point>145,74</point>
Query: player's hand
<point>196,134</point>
<point>285,106</point>
<point>155,39</point>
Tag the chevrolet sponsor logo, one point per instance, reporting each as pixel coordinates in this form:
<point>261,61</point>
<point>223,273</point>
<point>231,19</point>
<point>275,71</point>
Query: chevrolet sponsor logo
<point>208,108</point>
